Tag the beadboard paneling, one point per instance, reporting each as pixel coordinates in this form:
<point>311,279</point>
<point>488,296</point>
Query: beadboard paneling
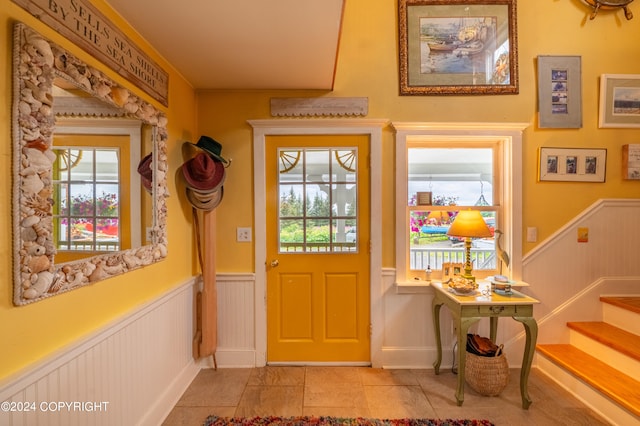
<point>568,277</point>
<point>236,320</point>
<point>134,370</point>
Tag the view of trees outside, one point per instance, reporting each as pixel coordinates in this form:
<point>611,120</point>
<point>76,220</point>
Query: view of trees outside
<point>317,204</point>
<point>318,218</point>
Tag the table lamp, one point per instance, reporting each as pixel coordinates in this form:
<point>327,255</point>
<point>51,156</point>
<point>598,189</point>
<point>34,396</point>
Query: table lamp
<point>469,224</point>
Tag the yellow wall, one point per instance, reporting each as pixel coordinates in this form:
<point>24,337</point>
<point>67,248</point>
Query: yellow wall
<point>368,66</point>
<point>29,333</point>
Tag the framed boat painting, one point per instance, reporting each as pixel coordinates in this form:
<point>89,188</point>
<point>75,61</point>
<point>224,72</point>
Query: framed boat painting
<point>458,47</point>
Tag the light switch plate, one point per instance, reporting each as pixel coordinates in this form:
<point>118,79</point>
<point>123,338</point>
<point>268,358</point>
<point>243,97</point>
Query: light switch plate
<point>243,235</point>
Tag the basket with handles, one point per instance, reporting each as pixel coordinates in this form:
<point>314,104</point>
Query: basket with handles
<point>487,375</point>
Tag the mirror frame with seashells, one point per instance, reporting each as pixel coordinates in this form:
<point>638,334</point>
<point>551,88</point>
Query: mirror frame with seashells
<point>36,63</point>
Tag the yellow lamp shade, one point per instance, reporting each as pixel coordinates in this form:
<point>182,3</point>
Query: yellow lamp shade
<point>469,223</point>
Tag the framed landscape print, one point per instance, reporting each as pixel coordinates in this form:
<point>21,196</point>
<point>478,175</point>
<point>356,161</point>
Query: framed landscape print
<point>457,47</point>
<point>572,165</point>
<point>619,100</point>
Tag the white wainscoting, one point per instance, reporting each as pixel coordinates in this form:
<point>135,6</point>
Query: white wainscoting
<point>568,277</point>
<point>408,339</point>
<point>134,370</point>
<point>236,321</point>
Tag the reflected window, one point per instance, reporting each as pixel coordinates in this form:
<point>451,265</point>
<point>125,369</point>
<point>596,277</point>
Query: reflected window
<point>87,205</point>
<point>317,199</point>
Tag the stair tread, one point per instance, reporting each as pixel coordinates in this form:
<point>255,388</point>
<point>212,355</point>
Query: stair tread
<point>611,336</point>
<point>630,303</point>
<point>611,382</point>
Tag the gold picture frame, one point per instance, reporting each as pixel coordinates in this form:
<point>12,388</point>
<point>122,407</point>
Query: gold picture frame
<point>458,47</point>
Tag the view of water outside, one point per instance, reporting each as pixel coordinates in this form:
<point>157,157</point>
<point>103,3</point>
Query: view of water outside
<point>460,177</point>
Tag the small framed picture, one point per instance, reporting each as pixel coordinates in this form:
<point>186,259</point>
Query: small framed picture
<point>619,100</point>
<point>572,165</point>
<point>559,92</point>
<point>451,270</point>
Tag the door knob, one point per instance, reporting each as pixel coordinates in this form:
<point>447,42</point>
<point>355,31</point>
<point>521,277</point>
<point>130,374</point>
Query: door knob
<point>274,263</point>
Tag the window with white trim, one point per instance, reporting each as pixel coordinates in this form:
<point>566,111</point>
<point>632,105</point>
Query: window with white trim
<point>442,169</point>
<point>443,179</point>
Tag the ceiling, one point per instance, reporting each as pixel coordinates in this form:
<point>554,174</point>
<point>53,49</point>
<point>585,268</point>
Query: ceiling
<point>243,44</point>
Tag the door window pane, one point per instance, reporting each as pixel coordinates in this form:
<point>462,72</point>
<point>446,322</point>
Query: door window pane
<point>317,196</point>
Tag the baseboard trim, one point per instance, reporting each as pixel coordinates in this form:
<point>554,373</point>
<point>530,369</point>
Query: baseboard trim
<point>170,397</point>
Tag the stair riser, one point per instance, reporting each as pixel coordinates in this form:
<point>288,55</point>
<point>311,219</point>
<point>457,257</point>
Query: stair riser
<point>617,360</point>
<point>599,403</point>
<point>621,318</point>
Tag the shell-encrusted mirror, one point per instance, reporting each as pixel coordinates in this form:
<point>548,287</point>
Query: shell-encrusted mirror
<point>37,62</point>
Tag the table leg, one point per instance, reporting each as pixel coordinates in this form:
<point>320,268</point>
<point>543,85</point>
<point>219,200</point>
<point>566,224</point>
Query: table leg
<point>493,328</point>
<point>436,305</point>
<point>463,329</point>
<point>531,330</point>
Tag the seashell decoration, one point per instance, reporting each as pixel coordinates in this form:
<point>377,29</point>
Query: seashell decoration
<point>38,144</point>
<point>36,61</point>
<point>32,184</point>
<point>40,161</point>
<point>39,263</point>
<point>36,250</point>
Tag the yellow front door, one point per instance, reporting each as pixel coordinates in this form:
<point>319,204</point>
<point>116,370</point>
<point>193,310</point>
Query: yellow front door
<point>318,249</point>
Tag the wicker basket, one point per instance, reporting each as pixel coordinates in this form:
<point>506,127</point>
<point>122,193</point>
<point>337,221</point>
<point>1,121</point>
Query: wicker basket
<point>487,375</point>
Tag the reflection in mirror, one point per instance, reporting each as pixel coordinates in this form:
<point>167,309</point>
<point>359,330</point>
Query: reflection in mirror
<point>99,202</point>
<point>77,194</point>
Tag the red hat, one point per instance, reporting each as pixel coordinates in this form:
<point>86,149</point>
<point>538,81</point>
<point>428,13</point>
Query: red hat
<point>146,175</point>
<point>203,174</point>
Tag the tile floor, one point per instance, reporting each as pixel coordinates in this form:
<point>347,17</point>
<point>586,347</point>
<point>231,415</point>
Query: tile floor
<point>369,392</point>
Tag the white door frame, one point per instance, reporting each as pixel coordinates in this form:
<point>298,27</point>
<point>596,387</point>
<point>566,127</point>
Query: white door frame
<point>262,129</point>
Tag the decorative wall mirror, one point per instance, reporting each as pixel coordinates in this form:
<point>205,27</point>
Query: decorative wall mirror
<point>43,198</point>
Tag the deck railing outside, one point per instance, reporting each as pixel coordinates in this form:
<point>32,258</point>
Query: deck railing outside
<point>419,257</point>
<point>422,257</point>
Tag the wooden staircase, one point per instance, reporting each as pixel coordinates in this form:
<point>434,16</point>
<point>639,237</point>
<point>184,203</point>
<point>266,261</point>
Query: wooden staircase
<point>601,363</point>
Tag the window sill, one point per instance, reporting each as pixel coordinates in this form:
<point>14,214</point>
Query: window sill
<point>413,287</point>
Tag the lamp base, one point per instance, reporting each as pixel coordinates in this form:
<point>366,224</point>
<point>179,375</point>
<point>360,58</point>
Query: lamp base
<point>468,277</point>
<point>467,265</point>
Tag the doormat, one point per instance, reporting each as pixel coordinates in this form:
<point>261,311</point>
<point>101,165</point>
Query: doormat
<point>337,421</point>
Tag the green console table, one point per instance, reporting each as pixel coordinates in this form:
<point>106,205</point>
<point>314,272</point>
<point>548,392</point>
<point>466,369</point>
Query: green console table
<point>468,309</point>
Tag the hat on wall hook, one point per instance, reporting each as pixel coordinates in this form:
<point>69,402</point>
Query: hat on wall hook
<point>204,174</point>
<point>213,148</point>
<point>598,5</point>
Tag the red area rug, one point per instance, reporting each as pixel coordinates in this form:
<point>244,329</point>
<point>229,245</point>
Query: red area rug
<point>331,421</point>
